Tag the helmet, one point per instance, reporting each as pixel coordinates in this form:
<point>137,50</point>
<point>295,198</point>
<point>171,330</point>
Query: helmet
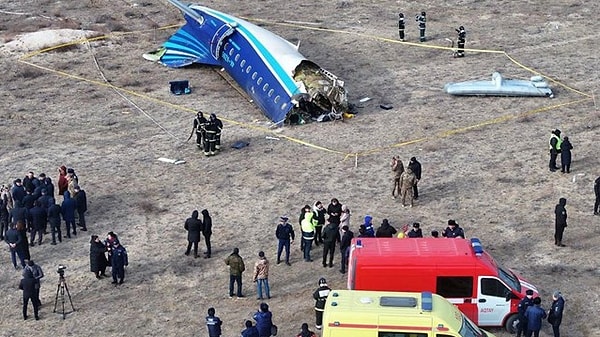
<point>401,15</point>
<point>423,13</point>
<point>461,28</point>
<point>322,281</point>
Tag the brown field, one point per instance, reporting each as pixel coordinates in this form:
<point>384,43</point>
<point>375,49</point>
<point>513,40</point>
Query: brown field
<point>484,159</point>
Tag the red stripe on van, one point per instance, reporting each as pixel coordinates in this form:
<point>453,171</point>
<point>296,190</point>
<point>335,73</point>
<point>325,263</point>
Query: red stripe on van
<point>373,326</point>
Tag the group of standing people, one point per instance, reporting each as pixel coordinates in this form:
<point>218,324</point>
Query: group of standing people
<point>562,146</point>
<point>422,24</point>
<point>406,180</point>
<point>195,229</point>
<point>208,133</point>
<point>531,314</point>
<point>117,257</point>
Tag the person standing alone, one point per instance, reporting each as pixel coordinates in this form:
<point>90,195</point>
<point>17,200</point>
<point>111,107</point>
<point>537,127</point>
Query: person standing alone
<point>597,193</point>
<point>462,34</point>
<point>560,222</point>
<point>285,237</point>
<point>401,26</point>
<point>261,276</point>
<point>565,155</point>
<point>320,296</point>
<point>236,268</point>
<point>556,312</point>
<point>421,20</point>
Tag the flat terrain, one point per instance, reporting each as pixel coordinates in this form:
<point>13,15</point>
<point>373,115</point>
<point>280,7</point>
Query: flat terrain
<point>101,108</point>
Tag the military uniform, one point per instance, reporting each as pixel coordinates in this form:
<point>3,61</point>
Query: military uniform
<point>407,182</point>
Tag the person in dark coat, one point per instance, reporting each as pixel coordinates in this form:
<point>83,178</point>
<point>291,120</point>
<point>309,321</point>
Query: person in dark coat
<point>453,230</point>
<point>81,206</point>
<point>109,243</point>
<point>320,296</point>
<point>68,213</point>
<point>98,261</point>
<point>13,239</point>
<point>422,21</point>
<point>194,227</point>
<point>556,312</point>
<point>401,26</point>
<point>206,231</point>
<point>46,182</point>
<point>213,323</point>
<point>345,243</point>
<point>534,314</point>
<point>565,155</point>
<point>38,275</point>
<point>250,330</point>
<point>331,235</point>
<point>118,263</point>
<point>415,231</point>
<point>264,320</point>
<point>44,198</point>
<point>27,284</point>
<point>304,332</point>
<point>54,214</point>
<point>18,191</point>
<point>18,214</point>
<point>4,212</point>
<point>39,219</point>
<point>385,230</point>
<point>462,35</point>
<point>597,193</point>
<point>24,245</point>
<point>199,128</point>
<point>525,303</point>
<point>335,211</point>
<point>285,236</point>
<point>560,222</point>
<point>415,166</point>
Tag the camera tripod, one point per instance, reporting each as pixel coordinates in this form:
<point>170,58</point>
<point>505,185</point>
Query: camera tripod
<point>62,286</point>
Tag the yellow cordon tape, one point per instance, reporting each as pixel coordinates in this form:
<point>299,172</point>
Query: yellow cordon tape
<point>346,155</point>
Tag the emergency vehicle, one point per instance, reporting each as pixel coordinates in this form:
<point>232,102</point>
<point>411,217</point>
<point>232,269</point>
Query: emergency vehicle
<point>355,313</point>
<point>457,269</point>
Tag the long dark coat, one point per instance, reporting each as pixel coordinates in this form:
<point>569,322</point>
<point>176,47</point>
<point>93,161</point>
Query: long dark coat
<point>98,260</point>
<point>194,227</point>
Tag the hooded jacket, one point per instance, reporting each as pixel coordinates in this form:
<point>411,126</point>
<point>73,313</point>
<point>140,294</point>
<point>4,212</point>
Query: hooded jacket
<point>369,230</point>
<point>561,213</point>
<point>207,223</point>
<point>385,230</point>
<point>194,227</point>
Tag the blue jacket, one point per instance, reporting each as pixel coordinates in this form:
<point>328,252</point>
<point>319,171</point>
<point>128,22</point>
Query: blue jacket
<point>68,207</point>
<point>525,303</point>
<point>119,257</point>
<point>535,314</point>
<point>263,323</point>
<point>370,231</point>
<point>250,332</point>
<point>213,323</point>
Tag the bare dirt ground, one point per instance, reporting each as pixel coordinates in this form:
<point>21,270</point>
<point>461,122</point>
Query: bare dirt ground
<point>484,159</point>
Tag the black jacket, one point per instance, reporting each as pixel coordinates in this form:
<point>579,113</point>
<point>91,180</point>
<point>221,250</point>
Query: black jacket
<point>81,201</point>
<point>54,213</point>
<point>39,217</point>
<point>285,231</point>
<point>331,233</point>
<point>207,223</point>
<point>193,227</point>
<point>346,240</point>
<point>27,284</point>
<point>385,230</point>
<point>415,166</point>
<point>561,213</point>
<point>98,260</point>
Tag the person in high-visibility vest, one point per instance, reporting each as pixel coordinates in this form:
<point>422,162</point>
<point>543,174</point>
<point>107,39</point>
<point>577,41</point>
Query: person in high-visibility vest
<point>555,143</point>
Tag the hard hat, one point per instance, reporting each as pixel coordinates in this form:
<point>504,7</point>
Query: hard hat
<point>322,281</point>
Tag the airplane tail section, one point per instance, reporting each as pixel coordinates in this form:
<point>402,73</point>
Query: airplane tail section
<point>182,49</point>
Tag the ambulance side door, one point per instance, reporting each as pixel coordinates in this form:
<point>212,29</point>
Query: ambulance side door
<point>491,301</point>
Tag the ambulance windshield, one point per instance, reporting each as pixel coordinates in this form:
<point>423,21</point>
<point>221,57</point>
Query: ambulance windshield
<point>469,329</point>
<point>509,278</point>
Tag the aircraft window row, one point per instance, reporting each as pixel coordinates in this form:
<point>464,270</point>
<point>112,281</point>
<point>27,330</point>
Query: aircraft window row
<point>259,81</point>
<point>243,63</point>
<point>237,57</point>
<point>266,86</point>
<point>231,52</point>
<point>254,75</point>
<point>248,69</point>
<point>277,99</point>
<point>271,92</point>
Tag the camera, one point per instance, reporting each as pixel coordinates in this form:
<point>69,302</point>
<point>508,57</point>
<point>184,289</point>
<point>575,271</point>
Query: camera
<point>61,269</point>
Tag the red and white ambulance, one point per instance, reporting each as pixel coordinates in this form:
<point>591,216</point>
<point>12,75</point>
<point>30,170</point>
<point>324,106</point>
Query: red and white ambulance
<point>457,269</point>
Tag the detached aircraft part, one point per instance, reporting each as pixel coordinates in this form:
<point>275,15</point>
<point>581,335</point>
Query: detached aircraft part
<point>267,67</point>
<point>500,86</point>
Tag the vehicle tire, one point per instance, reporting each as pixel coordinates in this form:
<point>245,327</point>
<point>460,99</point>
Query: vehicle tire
<point>511,323</point>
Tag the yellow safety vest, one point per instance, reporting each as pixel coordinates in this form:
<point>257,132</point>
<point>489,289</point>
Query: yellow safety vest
<point>558,142</point>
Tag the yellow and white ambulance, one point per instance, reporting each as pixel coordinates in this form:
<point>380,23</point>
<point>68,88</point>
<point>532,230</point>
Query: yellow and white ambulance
<point>356,313</point>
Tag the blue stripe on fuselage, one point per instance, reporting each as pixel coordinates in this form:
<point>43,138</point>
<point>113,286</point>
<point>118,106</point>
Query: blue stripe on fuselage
<point>280,73</point>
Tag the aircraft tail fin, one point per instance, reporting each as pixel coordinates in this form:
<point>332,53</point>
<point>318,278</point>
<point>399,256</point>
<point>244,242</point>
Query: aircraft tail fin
<point>182,49</point>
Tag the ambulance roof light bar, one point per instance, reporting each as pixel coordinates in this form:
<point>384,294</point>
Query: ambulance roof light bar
<point>426,301</point>
<point>477,247</point>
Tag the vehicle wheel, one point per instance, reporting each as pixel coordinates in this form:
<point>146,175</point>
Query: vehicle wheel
<point>511,324</point>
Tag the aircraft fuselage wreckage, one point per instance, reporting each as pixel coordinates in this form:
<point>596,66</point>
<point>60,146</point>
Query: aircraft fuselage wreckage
<point>280,80</point>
